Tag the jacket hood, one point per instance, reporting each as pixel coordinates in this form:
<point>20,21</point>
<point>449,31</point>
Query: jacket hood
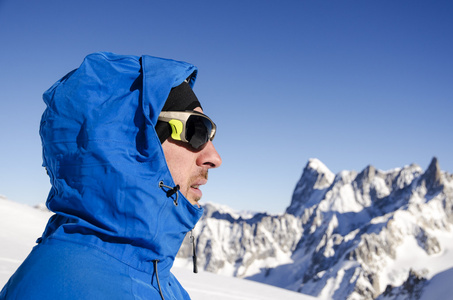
<point>105,161</point>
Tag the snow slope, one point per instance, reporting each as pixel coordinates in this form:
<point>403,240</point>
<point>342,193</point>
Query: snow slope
<point>21,225</point>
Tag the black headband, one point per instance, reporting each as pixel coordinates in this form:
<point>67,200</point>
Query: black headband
<point>181,98</point>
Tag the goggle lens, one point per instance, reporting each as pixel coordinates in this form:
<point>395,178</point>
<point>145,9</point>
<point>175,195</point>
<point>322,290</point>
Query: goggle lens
<point>198,131</point>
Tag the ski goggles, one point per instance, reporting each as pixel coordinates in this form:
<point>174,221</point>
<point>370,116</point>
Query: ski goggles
<point>190,127</point>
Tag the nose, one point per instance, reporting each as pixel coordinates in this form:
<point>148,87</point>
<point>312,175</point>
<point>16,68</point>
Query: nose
<point>209,157</point>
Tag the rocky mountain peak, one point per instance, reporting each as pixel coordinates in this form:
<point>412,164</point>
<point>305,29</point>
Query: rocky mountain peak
<point>367,174</point>
<point>315,179</point>
<point>433,176</point>
<point>315,166</point>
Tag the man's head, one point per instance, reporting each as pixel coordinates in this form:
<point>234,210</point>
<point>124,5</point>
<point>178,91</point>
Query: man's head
<point>187,141</point>
<point>104,158</point>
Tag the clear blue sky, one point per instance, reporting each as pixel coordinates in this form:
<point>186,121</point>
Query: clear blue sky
<point>351,82</point>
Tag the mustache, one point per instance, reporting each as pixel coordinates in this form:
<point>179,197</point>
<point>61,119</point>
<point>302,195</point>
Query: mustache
<point>202,174</point>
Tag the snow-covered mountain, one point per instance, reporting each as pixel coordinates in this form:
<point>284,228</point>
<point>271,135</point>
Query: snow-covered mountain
<point>368,235</point>
<point>21,225</point>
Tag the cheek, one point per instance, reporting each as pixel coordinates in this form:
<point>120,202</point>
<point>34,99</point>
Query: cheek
<point>173,163</point>
<point>180,170</point>
<point>179,161</point>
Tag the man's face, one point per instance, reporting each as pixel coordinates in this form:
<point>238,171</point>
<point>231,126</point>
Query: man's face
<point>189,168</point>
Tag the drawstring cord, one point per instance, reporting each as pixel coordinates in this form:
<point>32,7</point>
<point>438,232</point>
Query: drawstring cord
<point>194,256</point>
<point>171,191</point>
<point>157,277</point>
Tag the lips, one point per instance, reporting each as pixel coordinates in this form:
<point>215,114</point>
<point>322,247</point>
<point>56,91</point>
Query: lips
<point>198,183</point>
<point>195,189</point>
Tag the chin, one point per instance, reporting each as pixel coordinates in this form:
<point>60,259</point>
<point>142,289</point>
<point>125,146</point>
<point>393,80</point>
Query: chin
<point>194,201</point>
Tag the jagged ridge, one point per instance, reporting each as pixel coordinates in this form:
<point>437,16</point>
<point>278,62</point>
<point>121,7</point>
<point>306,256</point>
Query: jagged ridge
<point>343,236</point>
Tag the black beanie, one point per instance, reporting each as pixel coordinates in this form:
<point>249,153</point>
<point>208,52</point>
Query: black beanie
<point>181,98</point>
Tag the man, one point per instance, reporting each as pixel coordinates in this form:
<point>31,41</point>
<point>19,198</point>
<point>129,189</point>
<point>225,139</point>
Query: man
<point>126,147</point>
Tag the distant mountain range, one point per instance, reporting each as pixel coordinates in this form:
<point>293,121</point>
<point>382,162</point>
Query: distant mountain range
<point>368,235</point>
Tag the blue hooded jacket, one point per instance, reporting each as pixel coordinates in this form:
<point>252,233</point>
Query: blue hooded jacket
<point>116,230</point>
